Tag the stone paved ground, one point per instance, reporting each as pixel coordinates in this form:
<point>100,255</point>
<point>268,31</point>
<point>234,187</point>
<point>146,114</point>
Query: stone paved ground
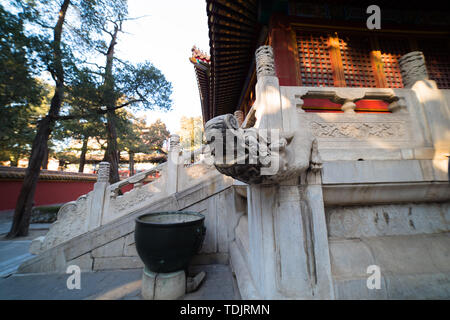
<point>219,283</point>
<point>14,252</point>
<point>111,285</point>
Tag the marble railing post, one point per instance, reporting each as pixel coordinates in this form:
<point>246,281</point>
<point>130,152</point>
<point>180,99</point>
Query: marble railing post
<point>288,242</point>
<point>239,115</point>
<point>435,108</point>
<point>173,159</point>
<point>413,68</point>
<point>267,90</point>
<point>97,200</point>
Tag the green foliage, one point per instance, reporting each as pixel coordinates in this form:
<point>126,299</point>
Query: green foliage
<point>87,36</point>
<point>155,135</point>
<point>47,209</point>
<point>18,127</point>
<point>22,96</point>
<point>18,86</point>
<point>129,132</point>
<point>144,84</point>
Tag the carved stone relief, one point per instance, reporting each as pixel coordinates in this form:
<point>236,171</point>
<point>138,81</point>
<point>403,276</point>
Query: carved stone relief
<point>255,152</point>
<point>359,130</point>
<point>265,65</point>
<point>71,222</point>
<point>130,199</point>
<point>103,172</point>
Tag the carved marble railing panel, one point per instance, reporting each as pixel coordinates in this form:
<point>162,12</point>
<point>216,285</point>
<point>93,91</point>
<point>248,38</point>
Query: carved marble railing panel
<point>350,135</point>
<point>142,195</point>
<point>138,197</point>
<point>191,157</point>
<point>191,173</point>
<point>74,217</point>
<point>364,131</point>
<point>71,222</point>
<point>195,173</point>
<point>348,96</point>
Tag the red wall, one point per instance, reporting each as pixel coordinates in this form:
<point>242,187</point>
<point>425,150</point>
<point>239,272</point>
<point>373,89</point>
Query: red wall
<point>47,192</point>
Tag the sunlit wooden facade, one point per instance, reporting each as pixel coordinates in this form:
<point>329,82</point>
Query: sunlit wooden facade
<point>318,44</point>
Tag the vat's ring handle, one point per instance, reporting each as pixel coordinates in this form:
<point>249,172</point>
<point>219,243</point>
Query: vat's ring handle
<point>201,231</point>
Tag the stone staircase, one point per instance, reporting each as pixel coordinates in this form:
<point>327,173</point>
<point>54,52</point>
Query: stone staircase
<point>96,232</point>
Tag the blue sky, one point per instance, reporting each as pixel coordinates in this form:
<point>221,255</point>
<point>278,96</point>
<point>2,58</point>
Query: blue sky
<point>165,37</point>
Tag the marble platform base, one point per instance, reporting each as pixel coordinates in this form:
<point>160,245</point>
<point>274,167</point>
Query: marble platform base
<point>169,286</point>
<point>163,286</point>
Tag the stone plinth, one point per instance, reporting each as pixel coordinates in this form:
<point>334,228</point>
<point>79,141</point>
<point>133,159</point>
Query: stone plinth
<point>163,286</point>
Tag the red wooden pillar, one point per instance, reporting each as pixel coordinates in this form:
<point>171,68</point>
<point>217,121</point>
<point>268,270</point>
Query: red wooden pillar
<point>377,64</point>
<point>284,44</point>
<point>336,61</point>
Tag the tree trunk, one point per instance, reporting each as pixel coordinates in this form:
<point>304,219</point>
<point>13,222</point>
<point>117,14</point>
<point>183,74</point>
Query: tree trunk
<point>45,161</point>
<point>22,213</point>
<point>61,165</point>
<point>131,154</point>
<point>14,161</point>
<point>192,140</point>
<point>111,154</point>
<point>83,154</point>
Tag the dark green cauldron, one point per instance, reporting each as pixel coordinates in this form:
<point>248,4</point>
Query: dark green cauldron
<point>167,241</point>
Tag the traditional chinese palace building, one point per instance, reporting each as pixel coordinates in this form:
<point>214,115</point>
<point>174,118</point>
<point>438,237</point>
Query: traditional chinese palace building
<point>348,196</point>
<point>316,44</point>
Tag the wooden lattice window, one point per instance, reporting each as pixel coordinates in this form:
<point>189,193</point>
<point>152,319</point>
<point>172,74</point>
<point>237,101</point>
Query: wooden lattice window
<point>363,61</point>
<point>356,62</point>
<point>391,50</point>
<point>437,53</point>
<point>314,59</point>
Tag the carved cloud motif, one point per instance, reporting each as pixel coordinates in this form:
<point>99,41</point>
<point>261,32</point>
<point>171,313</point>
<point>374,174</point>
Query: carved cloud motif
<point>358,130</point>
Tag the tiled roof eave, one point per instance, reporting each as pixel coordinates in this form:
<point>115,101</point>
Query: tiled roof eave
<point>233,31</point>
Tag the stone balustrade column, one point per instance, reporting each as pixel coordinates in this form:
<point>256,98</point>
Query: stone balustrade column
<point>413,68</point>
<point>288,256</point>
<point>173,162</point>
<point>239,115</point>
<point>268,99</point>
<point>435,107</point>
<point>98,197</point>
<point>103,172</point>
